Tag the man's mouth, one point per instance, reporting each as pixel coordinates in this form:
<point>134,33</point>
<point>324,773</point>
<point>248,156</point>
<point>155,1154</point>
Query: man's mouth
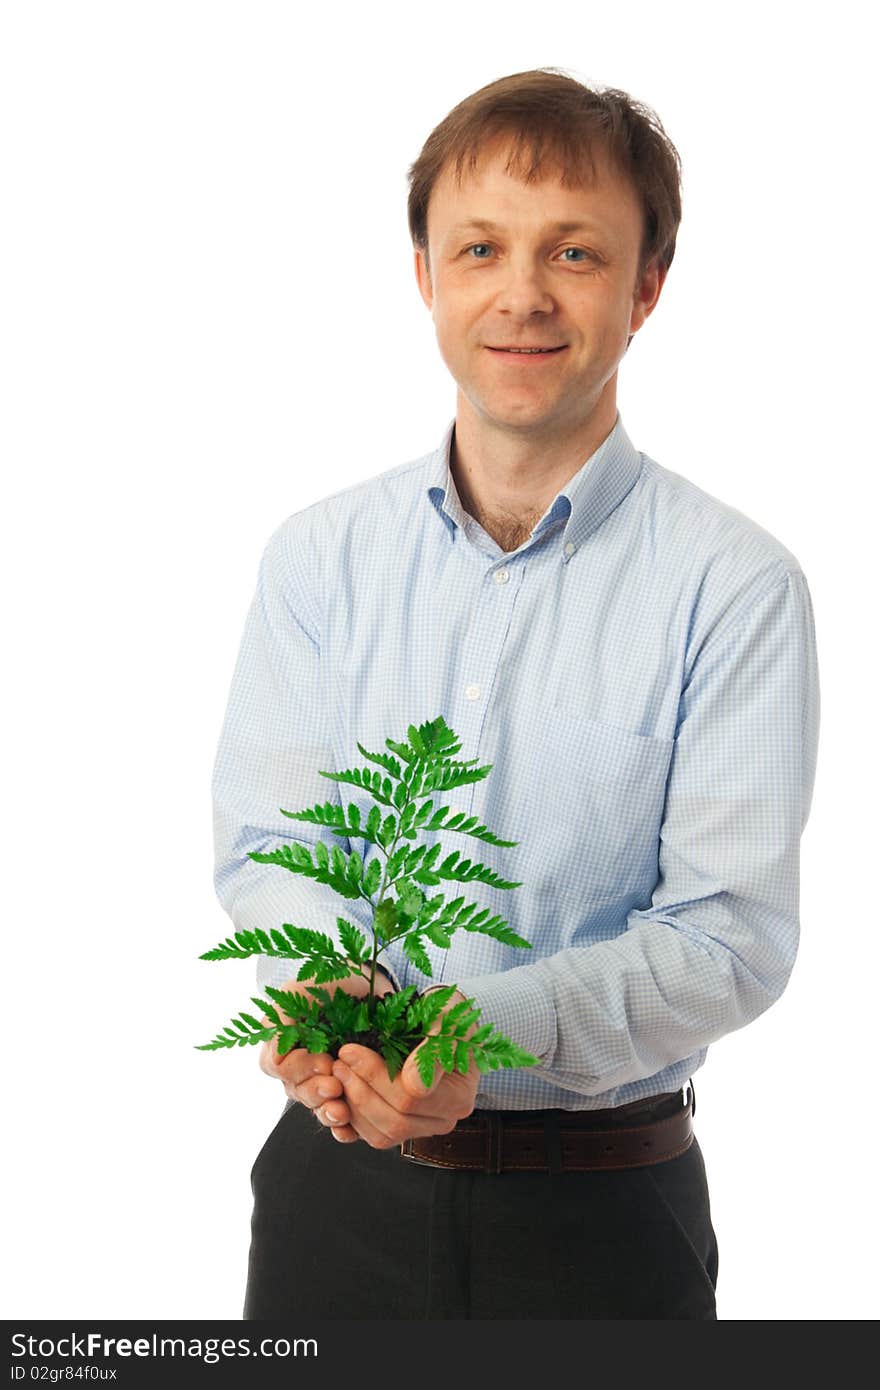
<point>528,351</point>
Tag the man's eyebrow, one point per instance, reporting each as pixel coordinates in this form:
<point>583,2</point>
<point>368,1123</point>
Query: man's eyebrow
<point>482,224</point>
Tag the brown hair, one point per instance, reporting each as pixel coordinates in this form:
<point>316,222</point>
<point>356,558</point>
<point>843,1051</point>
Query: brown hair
<point>557,121</point>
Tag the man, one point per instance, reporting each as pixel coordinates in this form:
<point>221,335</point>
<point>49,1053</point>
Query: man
<point>637,661</point>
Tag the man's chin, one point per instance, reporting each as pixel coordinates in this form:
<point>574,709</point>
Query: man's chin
<point>525,417</point>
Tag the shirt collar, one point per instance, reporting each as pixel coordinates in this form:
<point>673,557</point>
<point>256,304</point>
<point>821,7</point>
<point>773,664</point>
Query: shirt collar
<point>581,506</point>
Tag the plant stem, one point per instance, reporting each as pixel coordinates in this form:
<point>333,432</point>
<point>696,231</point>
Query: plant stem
<point>382,887</point>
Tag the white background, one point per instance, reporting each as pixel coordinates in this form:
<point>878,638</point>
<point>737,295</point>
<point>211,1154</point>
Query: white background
<point>210,320</point>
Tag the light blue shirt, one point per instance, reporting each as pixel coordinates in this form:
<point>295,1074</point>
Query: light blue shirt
<point>642,675</point>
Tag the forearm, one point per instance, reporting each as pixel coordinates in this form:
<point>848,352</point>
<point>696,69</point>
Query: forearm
<point>717,944</point>
<point>605,1015</point>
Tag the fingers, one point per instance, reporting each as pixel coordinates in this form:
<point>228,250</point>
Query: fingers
<point>296,1066</point>
<point>384,1123</point>
<point>307,1077</point>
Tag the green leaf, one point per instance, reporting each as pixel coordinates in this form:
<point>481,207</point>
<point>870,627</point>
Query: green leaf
<point>268,1009</point>
<point>445,1057</point>
<point>409,901</point>
<point>426,1055</point>
<point>354,943</point>
<point>326,867</point>
<point>391,1008</point>
<point>289,1003</point>
<point>385,919</point>
<point>500,1051</point>
<point>461,1015</point>
<point>393,1058</point>
<point>378,788</point>
<point>448,777</point>
<point>288,1039</point>
<point>331,814</point>
<point>428,1008</point>
<point>436,934</point>
<point>414,950</point>
<point>242,1031</point>
<point>466,872</point>
<point>480,1059</point>
<point>466,825</point>
<point>372,877</point>
<point>390,764</point>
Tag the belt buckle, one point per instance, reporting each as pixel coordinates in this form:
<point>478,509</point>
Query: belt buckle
<point>407,1152</point>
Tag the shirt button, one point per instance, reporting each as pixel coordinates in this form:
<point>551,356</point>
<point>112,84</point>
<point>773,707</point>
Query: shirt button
<point>473,692</point>
<point>570,548</point>
<point>501,576</point>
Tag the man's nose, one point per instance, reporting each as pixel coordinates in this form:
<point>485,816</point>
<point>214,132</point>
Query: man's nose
<point>523,288</point>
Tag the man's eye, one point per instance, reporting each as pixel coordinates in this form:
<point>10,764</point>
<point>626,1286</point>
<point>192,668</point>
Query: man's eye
<point>479,246</point>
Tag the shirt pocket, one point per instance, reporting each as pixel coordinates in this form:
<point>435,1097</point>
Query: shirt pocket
<point>598,807</point>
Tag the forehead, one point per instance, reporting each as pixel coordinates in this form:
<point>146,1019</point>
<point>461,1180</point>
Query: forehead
<point>501,187</point>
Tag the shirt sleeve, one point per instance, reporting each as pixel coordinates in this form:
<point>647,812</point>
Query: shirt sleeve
<point>717,945</point>
<point>271,750</point>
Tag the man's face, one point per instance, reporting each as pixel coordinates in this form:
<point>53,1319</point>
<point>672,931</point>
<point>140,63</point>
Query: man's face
<point>525,281</point>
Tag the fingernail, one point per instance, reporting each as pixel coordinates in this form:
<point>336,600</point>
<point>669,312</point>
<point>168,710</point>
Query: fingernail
<point>341,1070</point>
<point>326,1091</point>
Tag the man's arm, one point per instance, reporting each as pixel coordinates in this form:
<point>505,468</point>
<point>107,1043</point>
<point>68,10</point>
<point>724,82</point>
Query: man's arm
<point>272,745</point>
<point>718,943</point>
<point>273,742</point>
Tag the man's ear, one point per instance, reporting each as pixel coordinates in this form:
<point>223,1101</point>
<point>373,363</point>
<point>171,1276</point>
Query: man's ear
<point>423,276</point>
<point>647,292</point>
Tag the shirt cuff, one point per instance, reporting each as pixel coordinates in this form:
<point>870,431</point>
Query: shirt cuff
<point>519,1007</point>
<point>389,975</point>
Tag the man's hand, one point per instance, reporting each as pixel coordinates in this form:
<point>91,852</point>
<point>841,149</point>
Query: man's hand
<point>307,1076</point>
<point>385,1112</point>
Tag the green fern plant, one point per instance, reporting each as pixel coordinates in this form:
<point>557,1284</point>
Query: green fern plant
<point>398,1022</point>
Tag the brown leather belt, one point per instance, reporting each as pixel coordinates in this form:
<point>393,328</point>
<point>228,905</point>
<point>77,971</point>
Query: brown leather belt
<point>563,1141</point>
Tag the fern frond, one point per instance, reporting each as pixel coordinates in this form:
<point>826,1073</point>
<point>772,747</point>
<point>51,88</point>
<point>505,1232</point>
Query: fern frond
<point>354,943</point>
<point>464,872</point>
<point>247,943</point>
<point>390,764</point>
<point>331,867</point>
<point>414,950</point>
<point>452,915</point>
<point>425,1010</point>
<point>345,822</point>
<point>392,1007</point>
<point>379,788</point>
<point>447,776</point>
<point>428,819</point>
<point>488,1049</point>
<point>247,1030</point>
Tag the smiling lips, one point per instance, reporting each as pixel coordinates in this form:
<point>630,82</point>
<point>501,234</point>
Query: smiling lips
<point>523,355</point>
<point>528,351</point>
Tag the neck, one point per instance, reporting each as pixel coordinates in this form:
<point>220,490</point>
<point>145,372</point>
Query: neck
<point>507,479</point>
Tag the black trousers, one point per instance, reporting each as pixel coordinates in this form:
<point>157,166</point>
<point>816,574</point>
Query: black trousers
<point>348,1231</point>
